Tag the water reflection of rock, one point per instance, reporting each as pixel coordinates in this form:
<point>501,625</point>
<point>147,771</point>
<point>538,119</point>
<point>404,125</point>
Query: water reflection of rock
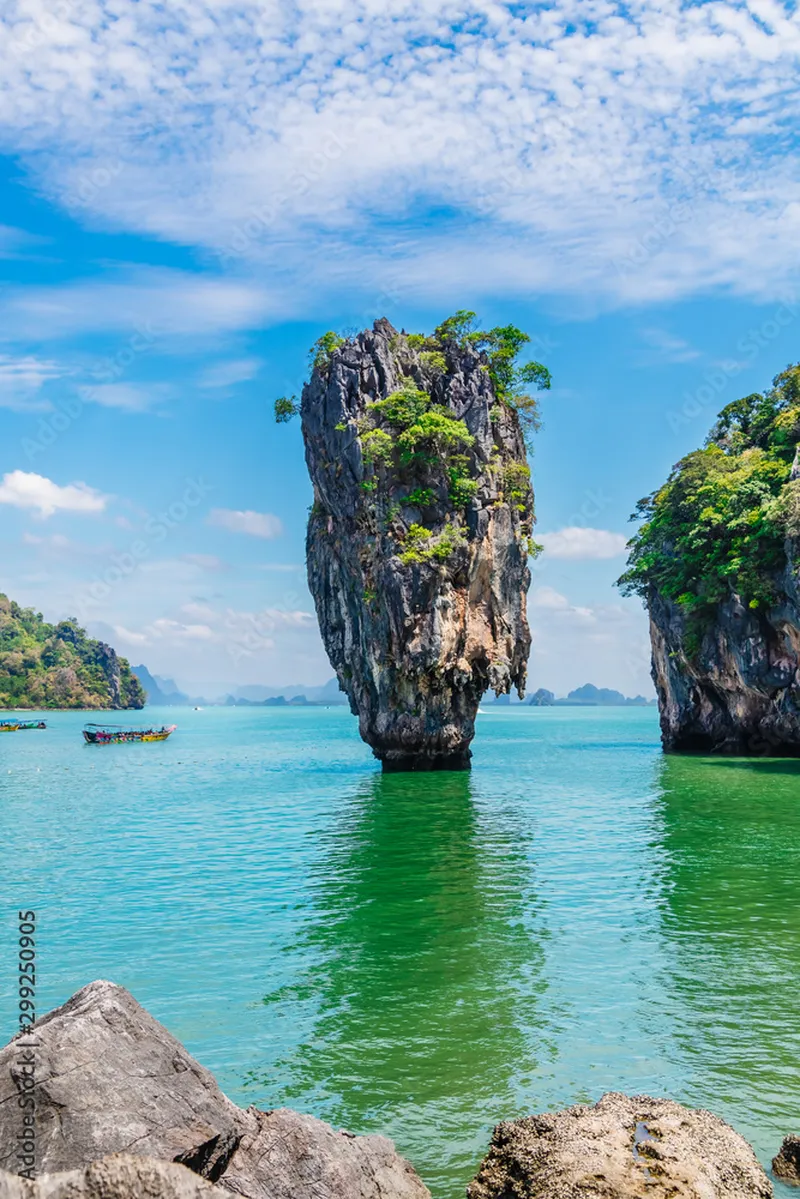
<point>731,919</point>
<point>428,971</point>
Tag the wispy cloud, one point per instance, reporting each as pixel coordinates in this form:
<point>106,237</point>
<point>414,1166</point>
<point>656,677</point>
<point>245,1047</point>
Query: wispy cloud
<point>634,150</point>
<point>255,524</point>
<point>580,543</point>
<point>159,302</point>
<point>128,397</point>
<point>667,347</point>
<point>21,378</point>
<point>27,490</point>
<point>228,373</point>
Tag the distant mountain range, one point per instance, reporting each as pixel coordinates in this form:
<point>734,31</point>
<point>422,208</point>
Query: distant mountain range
<point>165,692</point>
<point>587,696</point>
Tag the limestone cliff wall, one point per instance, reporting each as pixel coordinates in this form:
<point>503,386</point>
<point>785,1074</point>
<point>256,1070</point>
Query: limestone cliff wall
<point>416,640</point>
<point>740,692</point>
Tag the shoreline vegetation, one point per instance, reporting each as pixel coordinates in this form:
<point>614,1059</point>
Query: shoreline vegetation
<point>45,667</point>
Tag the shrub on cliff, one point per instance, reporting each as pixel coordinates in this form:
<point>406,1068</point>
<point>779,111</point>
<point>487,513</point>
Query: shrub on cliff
<point>58,666</point>
<point>718,525</point>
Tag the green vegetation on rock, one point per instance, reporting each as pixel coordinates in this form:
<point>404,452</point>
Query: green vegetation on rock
<point>58,666</point>
<point>411,438</point>
<point>719,524</point>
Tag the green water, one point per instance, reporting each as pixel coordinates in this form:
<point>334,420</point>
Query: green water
<point>425,955</point>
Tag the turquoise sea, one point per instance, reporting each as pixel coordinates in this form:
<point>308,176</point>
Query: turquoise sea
<point>423,955</point>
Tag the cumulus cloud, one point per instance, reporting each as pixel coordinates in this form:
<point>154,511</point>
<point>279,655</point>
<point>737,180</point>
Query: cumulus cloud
<point>23,489</point>
<point>255,524</point>
<point>580,543</point>
<point>606,644</point>
<point>634,150</point>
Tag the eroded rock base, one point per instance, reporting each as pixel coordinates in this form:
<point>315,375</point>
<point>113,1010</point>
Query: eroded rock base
<point>403,762</point>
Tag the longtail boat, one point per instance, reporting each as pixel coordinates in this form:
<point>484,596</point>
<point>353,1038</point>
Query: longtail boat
<point>8,726</point>
<point>32,724</point>
<point>117,734</point>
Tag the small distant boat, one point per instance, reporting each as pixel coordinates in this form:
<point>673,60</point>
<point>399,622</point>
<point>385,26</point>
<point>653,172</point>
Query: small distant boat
<point>9,726</point>
<point>17,726</point>
<point>116,734</point>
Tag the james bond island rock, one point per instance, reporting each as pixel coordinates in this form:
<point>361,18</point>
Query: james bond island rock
<point>421,528</point>
<point>716,562</point>
<point>621,1148</point>
<point>110,1079</point>
<point>786,1165</point>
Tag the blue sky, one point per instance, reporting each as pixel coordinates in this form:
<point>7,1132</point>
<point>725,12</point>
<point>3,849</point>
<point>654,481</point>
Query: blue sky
<point>189,199</point>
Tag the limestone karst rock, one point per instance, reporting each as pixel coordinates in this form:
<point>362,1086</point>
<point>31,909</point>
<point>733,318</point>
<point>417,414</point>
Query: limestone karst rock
<point>716,562</point>
<point>110,1079</point>
<point>621,1148</point>
<point>418,539</point>
<point>739,693</point>
<point>118,1177</point>
<point>786,1163</point>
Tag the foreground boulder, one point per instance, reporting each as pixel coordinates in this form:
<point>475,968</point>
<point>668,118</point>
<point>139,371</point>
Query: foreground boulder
<point>111,1079</point>
<point>786,1165</point>
<point>419,535</point>
<point>117,1177</point>
<point>621,1148</point>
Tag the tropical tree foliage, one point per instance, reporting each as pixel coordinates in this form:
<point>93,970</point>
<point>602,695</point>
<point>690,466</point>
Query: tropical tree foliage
<point>719,524</point>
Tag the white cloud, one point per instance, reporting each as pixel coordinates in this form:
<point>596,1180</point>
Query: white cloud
<point>668,347</point>
<point>129,637</point>
<point>21,379</point>
<point>125,396</point>
<point>630,151</point>
<point>207,562</point>
<point>145,306</point>
<point>227,374</point>
<point>256,524</point>
<point>576,542</point>
<point>27,490</point>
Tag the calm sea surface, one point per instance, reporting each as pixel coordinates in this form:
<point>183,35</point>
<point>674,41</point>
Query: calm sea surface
<point>423,955</point>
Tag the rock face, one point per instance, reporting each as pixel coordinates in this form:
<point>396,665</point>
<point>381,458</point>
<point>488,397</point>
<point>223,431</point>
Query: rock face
<point>417,625</point>
<point>117,1177</point>
<point>786,1165</point>
<point>110,1079</point>
<point>740,692</point>
<point>622,1148</point>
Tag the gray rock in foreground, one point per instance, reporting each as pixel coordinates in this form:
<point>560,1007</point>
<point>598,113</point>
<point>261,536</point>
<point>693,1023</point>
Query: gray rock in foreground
<point>111,1079</point>
<point>622,1148</point>
<point>117,1177</point>
<point>786,1165</point>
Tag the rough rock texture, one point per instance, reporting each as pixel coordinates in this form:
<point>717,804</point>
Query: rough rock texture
<point>415,646</point>
<point>622,1148</point>
<point>117,1177</point>
<point>740,694</point>
<point>110,1079</point>
<point>786,1165</point>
